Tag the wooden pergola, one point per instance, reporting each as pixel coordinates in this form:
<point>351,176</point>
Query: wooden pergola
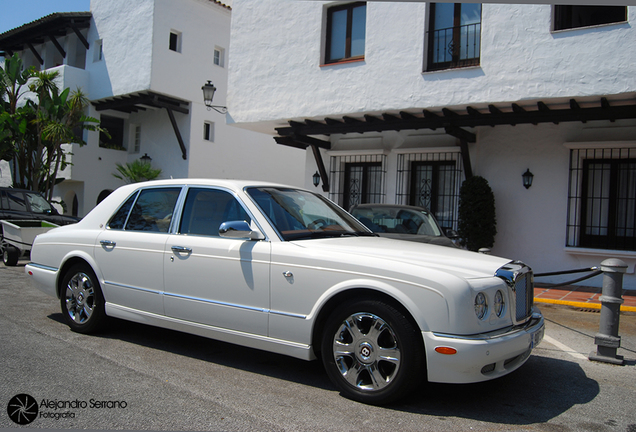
<point>455,122</point>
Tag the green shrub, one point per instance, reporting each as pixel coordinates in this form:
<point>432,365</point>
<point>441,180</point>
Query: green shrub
<point>477,225</point>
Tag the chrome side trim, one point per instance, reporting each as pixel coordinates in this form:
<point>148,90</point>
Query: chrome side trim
<point>220,303</point>
<point>288,314</point>
<point>43,267</point>
<point>132,287</point>
<point>537,321</point>
<point>237,306</point>
<point>215,302</point>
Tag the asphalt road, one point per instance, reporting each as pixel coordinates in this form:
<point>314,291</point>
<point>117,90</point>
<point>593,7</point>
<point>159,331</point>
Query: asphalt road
<point>132,376</point>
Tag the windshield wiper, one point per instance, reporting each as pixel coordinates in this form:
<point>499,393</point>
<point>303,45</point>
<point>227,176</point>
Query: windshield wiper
<point>327,234</point>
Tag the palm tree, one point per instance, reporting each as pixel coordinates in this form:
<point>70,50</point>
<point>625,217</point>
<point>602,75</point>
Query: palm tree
<point>33,132</point>
<point>59,114</point>
<point>136,171</point>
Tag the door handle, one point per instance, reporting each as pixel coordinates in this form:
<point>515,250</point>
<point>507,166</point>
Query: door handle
<point>181,249</point>
<point>107,243</point>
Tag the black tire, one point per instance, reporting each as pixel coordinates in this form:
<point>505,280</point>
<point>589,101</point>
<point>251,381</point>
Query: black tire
<point>81,300</point>
<point>10,255</point>
<point>372,352</point>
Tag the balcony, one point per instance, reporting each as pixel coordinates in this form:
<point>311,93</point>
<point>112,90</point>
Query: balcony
<point>454,47</point>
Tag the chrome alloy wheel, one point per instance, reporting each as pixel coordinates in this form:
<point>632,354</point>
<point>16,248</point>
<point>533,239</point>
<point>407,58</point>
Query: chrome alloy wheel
<point>366,352</point>
<point>80,298</point>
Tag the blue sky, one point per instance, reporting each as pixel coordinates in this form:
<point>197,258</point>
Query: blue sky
<point>14,13</point>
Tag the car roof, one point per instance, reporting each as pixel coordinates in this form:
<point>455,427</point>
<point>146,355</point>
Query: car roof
<point>229,183</point>
<point>17,190</point>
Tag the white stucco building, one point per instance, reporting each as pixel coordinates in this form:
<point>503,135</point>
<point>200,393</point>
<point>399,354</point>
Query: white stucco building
<point>142,64</point>
<point>400,102</point>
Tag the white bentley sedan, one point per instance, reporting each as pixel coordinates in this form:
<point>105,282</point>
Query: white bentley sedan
<point>283,269</point>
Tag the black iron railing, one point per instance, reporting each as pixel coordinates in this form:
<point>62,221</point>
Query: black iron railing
<point>454,47</point>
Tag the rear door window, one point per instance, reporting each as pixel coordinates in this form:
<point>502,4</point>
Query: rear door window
<point>153,210</point>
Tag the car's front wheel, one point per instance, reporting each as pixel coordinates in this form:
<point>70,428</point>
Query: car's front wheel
<point>372,352</point>
<point>82,300</point>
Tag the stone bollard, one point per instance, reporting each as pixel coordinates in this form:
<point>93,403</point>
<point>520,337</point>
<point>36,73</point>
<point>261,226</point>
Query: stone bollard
<point>607,339</point>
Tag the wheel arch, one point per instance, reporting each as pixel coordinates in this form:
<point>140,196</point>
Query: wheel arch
<point>348,295</point>
<point>67,265</point>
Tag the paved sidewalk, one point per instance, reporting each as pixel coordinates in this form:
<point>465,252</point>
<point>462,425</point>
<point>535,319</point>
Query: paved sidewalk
<point>580,296</point>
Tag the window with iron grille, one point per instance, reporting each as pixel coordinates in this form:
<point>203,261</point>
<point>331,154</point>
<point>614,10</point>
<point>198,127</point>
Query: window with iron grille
<point>602,199</point>
<point>454,36</point>
<point>357,179</point>
<point>431,180</point>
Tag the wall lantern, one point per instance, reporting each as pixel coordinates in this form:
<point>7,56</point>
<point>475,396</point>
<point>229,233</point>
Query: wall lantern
<point>145,158</point>
<point>527,178</point>
<point>208,94</point>
<point>316,179</point>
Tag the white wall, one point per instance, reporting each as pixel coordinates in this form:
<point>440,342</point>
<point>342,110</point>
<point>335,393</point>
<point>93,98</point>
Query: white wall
<point>531,222</point>
<point>276,75</point>
<point>126,31</point>
<point>272,79</point>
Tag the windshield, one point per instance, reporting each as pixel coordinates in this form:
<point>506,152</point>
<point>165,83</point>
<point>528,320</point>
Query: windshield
<point>398,220</point>
<point>298,214</point>
<point>38,204</point>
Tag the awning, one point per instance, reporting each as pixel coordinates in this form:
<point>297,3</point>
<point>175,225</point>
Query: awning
<point>49,28</point>
<point>454,121</point>
<point>142,101</point>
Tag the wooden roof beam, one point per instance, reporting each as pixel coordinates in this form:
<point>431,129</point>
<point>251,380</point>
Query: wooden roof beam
<point>497,112</point>
<point>80,36</point>
<point>461,134</point>
<point>545,109</point>
<point>58,46</point>
<point>605,104</point>
<point>290,142</point>
<point>35,53</point>
<point>574,106</point>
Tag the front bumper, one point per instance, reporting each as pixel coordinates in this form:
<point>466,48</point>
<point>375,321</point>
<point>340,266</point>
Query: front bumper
<point>482,357</point>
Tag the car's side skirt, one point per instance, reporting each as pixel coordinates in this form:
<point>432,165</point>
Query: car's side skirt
<point>279,346</point>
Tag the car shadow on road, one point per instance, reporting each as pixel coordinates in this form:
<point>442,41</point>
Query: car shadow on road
<point>542,389</point>
<point>214,351</point>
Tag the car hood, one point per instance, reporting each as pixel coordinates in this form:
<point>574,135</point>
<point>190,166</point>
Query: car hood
<point>456,261</point>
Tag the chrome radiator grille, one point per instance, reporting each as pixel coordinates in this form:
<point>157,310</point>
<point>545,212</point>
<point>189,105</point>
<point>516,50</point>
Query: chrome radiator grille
<point>520,281</point>
<point>524,296</point>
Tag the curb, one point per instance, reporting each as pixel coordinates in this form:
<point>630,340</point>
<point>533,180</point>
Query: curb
<point>581,304</point>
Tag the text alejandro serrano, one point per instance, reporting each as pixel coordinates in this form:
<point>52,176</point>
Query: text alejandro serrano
<point>55,404</point>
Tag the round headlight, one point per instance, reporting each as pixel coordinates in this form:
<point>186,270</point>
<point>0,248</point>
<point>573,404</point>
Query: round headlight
<point>500,304</point>
<point>481,305</point>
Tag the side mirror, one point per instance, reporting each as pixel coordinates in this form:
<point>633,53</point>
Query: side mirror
<point>239,230</point>
<point>452,234</point>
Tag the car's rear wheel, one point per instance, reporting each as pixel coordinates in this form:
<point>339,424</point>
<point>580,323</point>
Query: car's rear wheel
<point>372,352</point>
<point>10,255</point>
<point>82,300</point>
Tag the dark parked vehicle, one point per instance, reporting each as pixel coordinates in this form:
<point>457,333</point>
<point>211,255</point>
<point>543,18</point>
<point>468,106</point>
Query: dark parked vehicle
<point>403,222</point>
<point>20,204</point>
<point>29,210</point>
